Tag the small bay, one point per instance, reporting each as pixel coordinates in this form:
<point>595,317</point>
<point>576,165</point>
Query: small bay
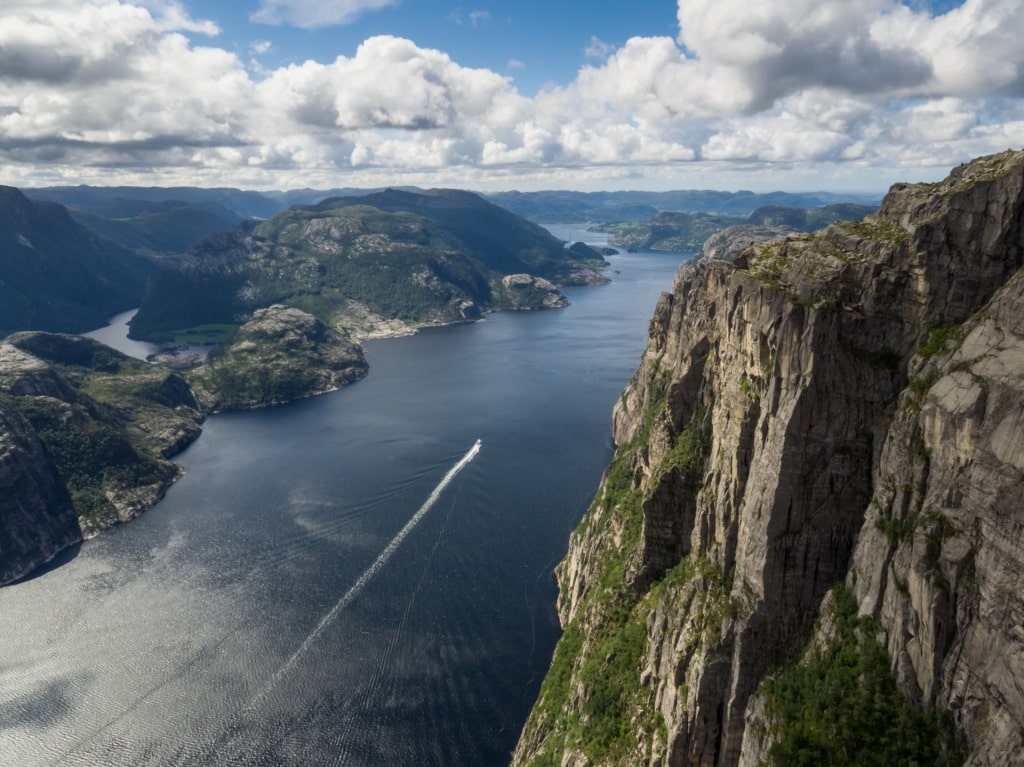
<point>252,617</point>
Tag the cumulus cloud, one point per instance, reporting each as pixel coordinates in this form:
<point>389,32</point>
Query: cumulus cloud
<point>112,85</point>
<point>389,83</point>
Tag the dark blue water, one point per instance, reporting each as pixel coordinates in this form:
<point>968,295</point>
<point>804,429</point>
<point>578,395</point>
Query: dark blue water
<point>258,615</point>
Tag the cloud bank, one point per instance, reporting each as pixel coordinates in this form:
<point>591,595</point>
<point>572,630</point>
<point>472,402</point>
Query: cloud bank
<point>113,91</point>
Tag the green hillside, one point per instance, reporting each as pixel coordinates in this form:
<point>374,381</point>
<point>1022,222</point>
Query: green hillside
<point>424,259</point>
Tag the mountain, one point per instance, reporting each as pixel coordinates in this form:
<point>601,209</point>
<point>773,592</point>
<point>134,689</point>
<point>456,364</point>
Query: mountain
<point>806,549</point>
<point>88,432</point>
<point>160,229</point>
<point>362,262</point>
<point>808,219</point>
<point>281,354</point>
<point>56,275</point>
<point>115,202</point>
<point>679,231</point>
<point>564,207</point>
<point>668,230</point>
<point>124,201</point>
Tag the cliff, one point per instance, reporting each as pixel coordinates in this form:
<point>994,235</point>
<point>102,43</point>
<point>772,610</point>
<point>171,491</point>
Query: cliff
<point>819,476</point>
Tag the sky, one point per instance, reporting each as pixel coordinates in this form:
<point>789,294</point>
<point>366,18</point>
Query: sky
<point>839,95</point>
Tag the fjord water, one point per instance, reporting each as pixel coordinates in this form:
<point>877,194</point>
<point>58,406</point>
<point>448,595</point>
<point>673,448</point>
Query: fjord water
<point>251,617</point>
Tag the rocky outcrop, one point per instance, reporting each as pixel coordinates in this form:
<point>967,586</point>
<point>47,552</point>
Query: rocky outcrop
<point>839,407</point>
<point>724,245</point>
<point>280,355</point>
<point>524,291</point>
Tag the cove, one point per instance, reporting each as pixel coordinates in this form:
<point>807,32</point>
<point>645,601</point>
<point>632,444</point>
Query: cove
<point>223,626</point>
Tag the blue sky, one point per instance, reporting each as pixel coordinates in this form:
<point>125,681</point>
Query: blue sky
<point>535,43</point>
<point>649,94</point>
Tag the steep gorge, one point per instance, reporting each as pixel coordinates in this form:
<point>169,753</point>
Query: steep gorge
<point>841,407</point>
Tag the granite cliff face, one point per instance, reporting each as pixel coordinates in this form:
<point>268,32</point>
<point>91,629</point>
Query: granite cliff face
<point>843,407</point>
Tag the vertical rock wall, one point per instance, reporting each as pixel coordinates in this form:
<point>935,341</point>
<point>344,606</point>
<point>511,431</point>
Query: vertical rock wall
<point>791,426</point>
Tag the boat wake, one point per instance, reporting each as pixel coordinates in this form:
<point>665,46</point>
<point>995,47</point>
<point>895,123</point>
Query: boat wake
<point>372,570</point>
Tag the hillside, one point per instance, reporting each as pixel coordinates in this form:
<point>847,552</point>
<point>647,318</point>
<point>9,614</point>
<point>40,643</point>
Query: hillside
<point>57,275</point>
<point>158,230</point>
<point>363,262</point>
<point>806,549</point>
<point>91,431</point>
<point>87,433</point>
<point>678,231</point>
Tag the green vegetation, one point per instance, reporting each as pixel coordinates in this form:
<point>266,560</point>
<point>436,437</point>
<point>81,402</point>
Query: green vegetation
<point>282,354</point>
<point>841,706</point>
<point>206,335</point>
<point>421,258</point>
<point>603,662</point>
<point>58,276</point>
<point>99,418</point>
<point>897,530</point>
<point>918,388</point>
<point>938,339</point>
<point>669,231</point>
<point>91,454</point>
<point>876,230</point>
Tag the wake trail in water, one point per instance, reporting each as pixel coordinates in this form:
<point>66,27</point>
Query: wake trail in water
<point>372,570</point>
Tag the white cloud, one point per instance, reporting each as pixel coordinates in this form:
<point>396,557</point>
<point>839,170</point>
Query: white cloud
<point>598,49</point>
<point>111,87</point>
<point>389,83</point>
<point>309,14</point>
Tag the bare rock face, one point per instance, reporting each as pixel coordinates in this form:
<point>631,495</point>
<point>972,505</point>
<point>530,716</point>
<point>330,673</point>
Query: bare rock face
<point>840,406</point>
<point>940,554</point>
<point>724,245</point>
<point>36,516</point>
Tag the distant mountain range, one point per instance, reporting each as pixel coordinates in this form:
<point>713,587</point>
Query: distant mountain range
<point>678,231</point>
<point>542,207</point>
<point>606,207</point>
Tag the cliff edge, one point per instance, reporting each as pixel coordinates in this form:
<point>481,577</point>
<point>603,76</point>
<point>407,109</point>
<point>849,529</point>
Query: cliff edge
<point>819,465</point>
